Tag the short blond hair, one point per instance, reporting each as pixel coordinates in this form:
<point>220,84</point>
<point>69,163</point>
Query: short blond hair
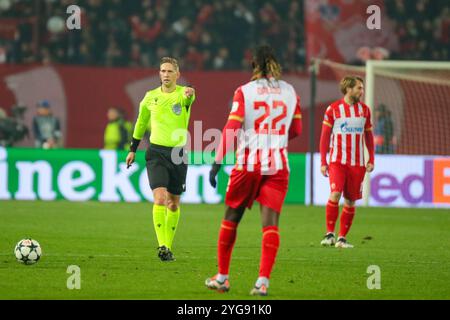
<point>170,60</point>
<point>349,82</point>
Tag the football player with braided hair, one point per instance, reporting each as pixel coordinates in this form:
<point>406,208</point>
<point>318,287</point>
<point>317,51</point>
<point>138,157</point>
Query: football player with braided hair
<point>267,109</point>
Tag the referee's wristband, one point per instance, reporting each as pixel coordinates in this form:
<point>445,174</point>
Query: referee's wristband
<point>134,145</point>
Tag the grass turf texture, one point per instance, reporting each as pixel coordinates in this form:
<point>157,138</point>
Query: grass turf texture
<point>115,247</point>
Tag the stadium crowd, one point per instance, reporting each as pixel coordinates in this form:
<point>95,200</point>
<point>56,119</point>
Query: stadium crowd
<point>423,28</point>
<point>204,34</point>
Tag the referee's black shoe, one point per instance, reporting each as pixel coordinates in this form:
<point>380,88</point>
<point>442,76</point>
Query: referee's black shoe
<point>169,256</point>
<point>164,254</point>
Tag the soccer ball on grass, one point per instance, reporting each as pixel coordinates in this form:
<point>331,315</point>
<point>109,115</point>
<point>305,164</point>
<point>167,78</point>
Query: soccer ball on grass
<point>28,251</point>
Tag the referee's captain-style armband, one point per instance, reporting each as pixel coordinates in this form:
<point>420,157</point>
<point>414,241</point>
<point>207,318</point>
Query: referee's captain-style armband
<point>134,145</point>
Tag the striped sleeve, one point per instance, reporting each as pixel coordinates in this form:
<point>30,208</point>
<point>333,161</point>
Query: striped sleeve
<point>328,119</point>
<point>298,109</point>
<point>238,108</point>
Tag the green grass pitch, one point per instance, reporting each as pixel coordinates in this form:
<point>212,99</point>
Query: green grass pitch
<point>115,247</point>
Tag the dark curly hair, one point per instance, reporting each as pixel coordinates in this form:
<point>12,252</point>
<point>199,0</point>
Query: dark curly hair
<point>265,64</point>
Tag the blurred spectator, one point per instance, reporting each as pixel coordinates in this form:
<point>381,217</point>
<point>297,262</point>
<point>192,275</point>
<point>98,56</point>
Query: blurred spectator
<point>221,61</point>
<point>128,125</point>
<point>194,60</point>
<point>366,53</point>
<point>384,130</point>
<point>12,129</point>
<point>118,130</point>
<point>46,127</point>
<point>2,54</point>
<point>363,54</point>
<point>380,53</point>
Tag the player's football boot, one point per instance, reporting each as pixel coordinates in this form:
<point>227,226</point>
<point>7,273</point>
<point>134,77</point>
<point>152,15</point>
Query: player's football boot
<point>328,240</point>
<point>214,284</point>
<point>342,243</point>
<point>259,291</point>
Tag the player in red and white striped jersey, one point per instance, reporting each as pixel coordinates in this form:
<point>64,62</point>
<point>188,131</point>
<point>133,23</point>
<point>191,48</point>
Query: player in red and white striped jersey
<point>347,125</point>
<point>259,106</point>
<point>265,115</point>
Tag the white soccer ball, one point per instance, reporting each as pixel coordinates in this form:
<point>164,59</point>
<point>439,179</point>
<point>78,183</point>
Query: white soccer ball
<point>28,251</point>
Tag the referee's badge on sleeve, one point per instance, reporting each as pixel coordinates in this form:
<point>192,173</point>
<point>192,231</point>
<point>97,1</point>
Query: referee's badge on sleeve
<point>176,108</point>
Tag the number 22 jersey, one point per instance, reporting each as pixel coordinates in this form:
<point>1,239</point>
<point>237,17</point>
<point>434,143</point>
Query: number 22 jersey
<point>266,109</point>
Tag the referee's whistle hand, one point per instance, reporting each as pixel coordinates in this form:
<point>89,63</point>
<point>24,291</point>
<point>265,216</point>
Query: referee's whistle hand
<point>130,159</point>
<point>189,92</point>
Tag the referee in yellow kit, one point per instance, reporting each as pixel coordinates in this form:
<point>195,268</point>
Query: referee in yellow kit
<point>167,109</point>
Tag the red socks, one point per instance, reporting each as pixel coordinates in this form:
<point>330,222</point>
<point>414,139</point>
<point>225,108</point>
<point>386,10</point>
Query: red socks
<point>227,238</point>
<point>270,244</point>
<point>346,220</point>
<point>332,213</point>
